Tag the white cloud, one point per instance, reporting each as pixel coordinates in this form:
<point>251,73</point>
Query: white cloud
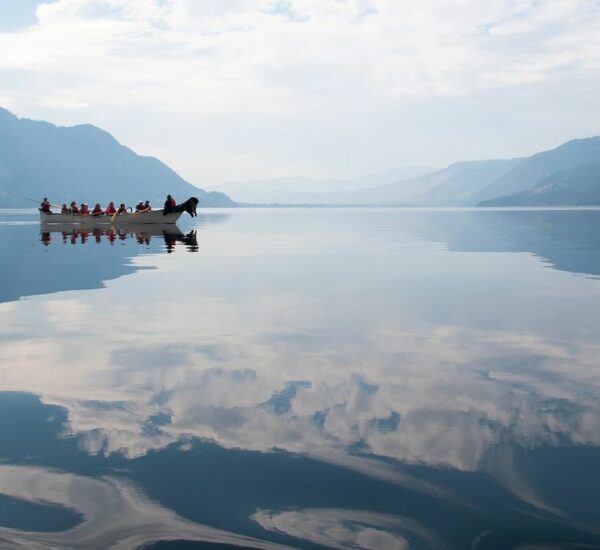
<point>311,73</point>
<point>240,56</point>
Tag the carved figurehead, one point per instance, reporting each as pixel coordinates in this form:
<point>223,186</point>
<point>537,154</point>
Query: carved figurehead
<point>188,206</point>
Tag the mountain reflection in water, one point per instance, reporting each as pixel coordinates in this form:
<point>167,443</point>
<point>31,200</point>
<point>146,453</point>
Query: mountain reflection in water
<point>317,378</point>
<point>86,267</point>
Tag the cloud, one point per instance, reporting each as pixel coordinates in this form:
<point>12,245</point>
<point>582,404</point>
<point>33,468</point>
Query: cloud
<point>236,89</point>
<point>238,56</point>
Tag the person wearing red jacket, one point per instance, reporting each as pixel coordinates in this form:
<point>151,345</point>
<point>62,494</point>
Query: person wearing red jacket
<point>170,204</point>
<point>84,210</point>
<point>45,206</point>
<point>73,208</point>
<point>97,211</point>
<point>110,209</point>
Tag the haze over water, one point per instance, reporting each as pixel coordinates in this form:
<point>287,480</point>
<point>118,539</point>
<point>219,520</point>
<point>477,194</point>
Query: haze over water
<point>308,378</point>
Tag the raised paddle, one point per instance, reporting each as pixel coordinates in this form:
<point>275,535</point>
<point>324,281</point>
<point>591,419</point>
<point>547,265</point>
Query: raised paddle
<point>40,202</point>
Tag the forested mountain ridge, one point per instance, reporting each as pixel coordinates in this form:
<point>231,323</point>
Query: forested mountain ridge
<point>532,170</point>
<point>577,186</point>
<point>82,163</point>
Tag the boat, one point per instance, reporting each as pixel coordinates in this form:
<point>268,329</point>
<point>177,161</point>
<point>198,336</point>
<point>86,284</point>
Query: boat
<point>127,218</point>
<point>133,218</point>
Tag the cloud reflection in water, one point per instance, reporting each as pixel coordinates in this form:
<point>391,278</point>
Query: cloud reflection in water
<point>115,514</point>
<point>379,355</point>
<point>348,528</point>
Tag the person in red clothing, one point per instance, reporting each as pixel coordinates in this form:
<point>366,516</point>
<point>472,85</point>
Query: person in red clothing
<point>110,209</point>
<point>170,204</point>
<point>73,208</point>
<point>84,210</point>
<point>139,206</point>
<point>45,206</point>
<point>97,211</point>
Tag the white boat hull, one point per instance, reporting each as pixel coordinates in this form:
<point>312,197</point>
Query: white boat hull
<point>135,218</point>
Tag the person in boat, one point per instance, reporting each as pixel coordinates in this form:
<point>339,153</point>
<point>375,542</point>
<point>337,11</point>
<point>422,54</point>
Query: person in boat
<point>97,211</point>
<point>73,208</point>
<point>139,206</point>
<point>45,206</point>
<point>170,205</point>
<point>65,209</point>
<point>122,209</point>
<point>110,209</point>
<point>83,209</point>
<point>147,206</point>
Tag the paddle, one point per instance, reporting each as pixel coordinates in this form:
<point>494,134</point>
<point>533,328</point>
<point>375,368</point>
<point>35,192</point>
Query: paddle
<point>140,212</point>
<point>40,202</point>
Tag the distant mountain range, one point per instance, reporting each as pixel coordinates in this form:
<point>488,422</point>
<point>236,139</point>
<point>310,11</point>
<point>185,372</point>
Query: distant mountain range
<point>306,191</point>
<point>85,163</point>
<point>82,163</point>
<point>566,175</point>
<point>455,185</point>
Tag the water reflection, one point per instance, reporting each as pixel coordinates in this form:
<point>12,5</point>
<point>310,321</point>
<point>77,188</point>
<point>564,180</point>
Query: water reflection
<point>568,240</point>
<point>115,514</point>
<point>74,258</point>
<point>143,234</point>
<point>349,529</point>
<point>371,388</point>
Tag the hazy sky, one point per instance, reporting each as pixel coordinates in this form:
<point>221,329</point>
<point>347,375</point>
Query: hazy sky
<point>237,89</point>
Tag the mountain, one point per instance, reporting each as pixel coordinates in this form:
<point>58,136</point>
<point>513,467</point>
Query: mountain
<point>531,170</point>
<point>451,186</point>
<point>577,186</point>
<point>82,163</point>
<point>479,182</point>
<point>306,190</point>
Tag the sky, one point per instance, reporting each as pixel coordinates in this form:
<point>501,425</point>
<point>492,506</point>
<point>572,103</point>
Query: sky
<point>225,90</point>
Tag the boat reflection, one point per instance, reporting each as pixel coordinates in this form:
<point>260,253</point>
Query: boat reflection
<point>143,234</point>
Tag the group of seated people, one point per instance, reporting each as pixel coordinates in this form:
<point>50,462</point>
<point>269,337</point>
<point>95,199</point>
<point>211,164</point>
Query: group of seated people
<point>110,210</point>
<point>84,210</point>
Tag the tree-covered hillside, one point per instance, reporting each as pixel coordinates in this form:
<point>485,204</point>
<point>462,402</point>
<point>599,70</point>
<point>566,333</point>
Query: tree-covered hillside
<point>82,163</point>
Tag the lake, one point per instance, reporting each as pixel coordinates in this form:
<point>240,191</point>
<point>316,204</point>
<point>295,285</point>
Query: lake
<point>302,378</point>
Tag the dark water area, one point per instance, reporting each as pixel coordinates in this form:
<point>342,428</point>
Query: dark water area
<point>302,378</point>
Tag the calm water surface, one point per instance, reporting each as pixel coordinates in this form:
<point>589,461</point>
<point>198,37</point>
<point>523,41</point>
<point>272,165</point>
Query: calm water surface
<point>309,378</point>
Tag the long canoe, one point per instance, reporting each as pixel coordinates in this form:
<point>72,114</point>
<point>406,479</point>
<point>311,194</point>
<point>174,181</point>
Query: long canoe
<point>135,218</point>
